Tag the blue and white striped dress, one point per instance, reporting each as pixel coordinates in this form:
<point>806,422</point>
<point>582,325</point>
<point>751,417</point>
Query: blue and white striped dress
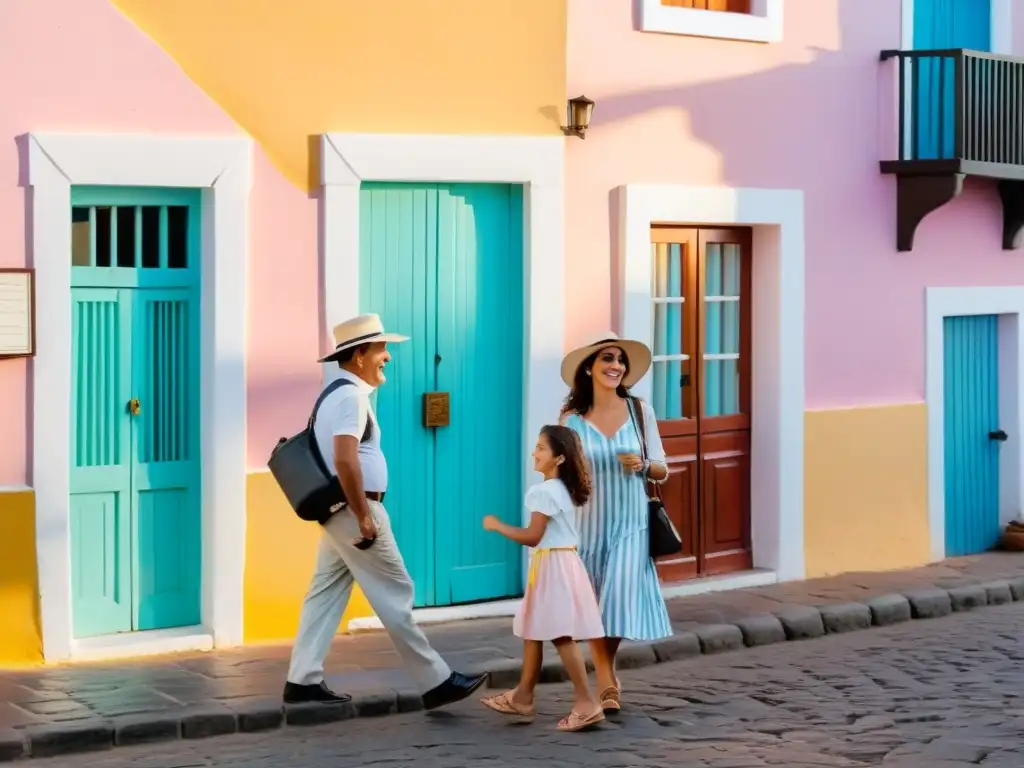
<point>613,532</point>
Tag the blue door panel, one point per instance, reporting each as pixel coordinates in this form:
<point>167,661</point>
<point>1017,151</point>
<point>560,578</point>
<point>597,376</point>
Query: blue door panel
<point>971,412</point>
<point>480,328</point>
<point>443,264</point>
<point>397,278</point>
<point>941,25</point>
<point>135,477</point>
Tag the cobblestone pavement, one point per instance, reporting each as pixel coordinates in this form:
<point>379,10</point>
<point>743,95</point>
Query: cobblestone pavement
<point>168,688</point>
<point>938,693</point>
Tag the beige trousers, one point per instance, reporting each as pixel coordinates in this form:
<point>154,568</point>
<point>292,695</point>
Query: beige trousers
<point>382,575</point>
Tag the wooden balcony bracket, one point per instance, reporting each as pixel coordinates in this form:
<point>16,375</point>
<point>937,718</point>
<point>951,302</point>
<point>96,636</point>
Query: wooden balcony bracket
<point>1011,192</point>
<point>919,195</point>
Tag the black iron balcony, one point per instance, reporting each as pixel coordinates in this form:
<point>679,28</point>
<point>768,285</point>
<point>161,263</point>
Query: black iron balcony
<point>961,113</point>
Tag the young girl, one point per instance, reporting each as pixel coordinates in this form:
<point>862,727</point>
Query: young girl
<point>559,604</point>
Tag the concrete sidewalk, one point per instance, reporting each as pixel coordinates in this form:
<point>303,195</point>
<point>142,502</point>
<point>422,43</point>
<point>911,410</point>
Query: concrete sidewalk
<point>55,710</point>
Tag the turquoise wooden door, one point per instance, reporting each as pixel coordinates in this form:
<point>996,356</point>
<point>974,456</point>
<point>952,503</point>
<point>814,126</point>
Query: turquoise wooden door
<point>443,263</point>
<point>971,426</point>
<point>939,25</point>
<point>135,476</point>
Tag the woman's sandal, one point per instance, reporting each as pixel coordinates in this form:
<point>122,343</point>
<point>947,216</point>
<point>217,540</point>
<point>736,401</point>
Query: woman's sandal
<point>503,704</point>
<point>611,699</point>
<point>578,722</point>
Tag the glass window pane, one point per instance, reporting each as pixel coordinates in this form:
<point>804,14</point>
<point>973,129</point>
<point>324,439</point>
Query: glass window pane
<point>730,269</point>
<point>672,388</point>
<point>177,236</point>
<point>721,387</point>
<point>81,238</point>
<point>150,237</point>
<point>103,235</point>
<point>126,235</point>
<point>722,269</point>
<point>722,328</point>
<point>668,270</point>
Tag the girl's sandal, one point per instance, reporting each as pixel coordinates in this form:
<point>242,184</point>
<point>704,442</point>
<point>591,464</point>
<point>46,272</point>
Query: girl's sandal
<point>611,699</point>
<point>503,704</point>
<point>578,722</point>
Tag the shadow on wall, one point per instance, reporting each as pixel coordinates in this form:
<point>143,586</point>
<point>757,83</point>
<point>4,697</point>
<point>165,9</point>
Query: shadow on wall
<point>756,122</point>
<point>780,127</point>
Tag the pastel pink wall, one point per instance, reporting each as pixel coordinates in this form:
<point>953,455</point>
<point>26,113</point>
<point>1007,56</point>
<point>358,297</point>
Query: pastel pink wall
<point>800,114</point>
<point>79,65</point>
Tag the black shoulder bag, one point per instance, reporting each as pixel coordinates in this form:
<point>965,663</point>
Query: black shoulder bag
<point>663,538</point>
<point>312,489</point>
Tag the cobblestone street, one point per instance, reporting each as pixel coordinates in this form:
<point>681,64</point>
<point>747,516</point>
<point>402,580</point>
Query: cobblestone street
<point>944,692</point>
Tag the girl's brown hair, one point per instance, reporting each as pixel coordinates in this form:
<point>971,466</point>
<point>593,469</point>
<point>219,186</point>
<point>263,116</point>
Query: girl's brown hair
<point>573,472</point>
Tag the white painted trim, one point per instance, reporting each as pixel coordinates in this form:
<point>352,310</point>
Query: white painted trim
<point>222,167</point>
<point>777,429</point>
<point>14,488</point>
<point>149,643</point>
<point>505,608</point>
<point>951,302</point>
<point>535,162</point>
<point>496,609</point>
<point>1001,26</point>
<point>762,25</point>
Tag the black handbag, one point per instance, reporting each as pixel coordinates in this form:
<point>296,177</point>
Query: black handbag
<point>663,538</point>
<point>312,489</point>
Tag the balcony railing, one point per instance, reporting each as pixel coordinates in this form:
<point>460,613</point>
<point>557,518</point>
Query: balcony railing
<point>961,113</point>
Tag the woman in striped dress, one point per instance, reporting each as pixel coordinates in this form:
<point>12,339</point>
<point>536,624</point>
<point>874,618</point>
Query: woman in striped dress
<point>613,524</point>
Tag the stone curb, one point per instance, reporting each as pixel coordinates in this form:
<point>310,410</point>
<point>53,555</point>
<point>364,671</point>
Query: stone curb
<point>791,622</point>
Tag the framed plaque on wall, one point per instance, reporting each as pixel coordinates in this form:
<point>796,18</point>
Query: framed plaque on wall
<point>17,312</point>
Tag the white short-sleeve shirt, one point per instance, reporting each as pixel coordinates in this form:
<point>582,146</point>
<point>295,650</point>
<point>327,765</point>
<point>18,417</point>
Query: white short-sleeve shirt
<point>552,498</point>
<point>345,412</point>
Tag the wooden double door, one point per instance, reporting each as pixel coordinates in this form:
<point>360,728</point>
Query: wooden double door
<point>702,393</point>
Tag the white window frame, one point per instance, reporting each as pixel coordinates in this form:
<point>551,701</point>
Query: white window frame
<point>762,25</point>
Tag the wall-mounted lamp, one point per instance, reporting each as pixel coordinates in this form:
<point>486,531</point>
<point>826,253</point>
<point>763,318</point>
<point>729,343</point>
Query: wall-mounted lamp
<point>577,115</point>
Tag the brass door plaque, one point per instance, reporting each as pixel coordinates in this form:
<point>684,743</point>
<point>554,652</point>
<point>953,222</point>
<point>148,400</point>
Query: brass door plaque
<point>436,409</point>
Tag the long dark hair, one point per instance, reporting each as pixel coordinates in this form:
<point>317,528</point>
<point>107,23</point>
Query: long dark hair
<point>581,397</point>
<point>573,472</point>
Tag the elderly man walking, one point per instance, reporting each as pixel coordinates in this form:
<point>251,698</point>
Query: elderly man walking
<point>357,544</point>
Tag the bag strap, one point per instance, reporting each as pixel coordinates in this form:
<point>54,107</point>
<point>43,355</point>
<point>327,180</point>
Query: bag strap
<point>636,413</point>
<point>332,387</point>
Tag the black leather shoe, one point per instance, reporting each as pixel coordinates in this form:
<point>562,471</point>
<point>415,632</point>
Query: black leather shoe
<point>456,688</point>
<point>318,692</point>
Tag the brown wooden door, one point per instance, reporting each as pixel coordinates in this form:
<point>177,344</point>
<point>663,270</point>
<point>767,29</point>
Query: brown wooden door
<point>701,393</point>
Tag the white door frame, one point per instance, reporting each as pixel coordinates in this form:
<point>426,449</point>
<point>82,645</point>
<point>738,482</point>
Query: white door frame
<point>222,168</point>
<point>536,162</point>
<point>1008,303</point>
<point>777,423</point>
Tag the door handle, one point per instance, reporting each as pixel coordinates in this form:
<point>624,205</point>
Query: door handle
<point>134,406</point>
<point>998,435</point>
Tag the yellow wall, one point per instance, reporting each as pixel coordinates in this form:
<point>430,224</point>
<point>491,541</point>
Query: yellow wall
<point>280,552</point>
<point>21,637</point>
<point>865,489</point>
<point>287,72</point>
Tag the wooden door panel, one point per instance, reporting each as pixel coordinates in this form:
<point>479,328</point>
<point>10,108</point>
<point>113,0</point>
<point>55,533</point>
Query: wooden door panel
<point>725,502</point>
<point>680,495</point>
<point>702,392</point>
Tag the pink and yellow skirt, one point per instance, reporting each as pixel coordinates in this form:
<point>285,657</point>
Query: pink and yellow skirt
<point>559,599</point>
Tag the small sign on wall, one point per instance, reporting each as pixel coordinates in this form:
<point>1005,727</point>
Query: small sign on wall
<point>17,313</point>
